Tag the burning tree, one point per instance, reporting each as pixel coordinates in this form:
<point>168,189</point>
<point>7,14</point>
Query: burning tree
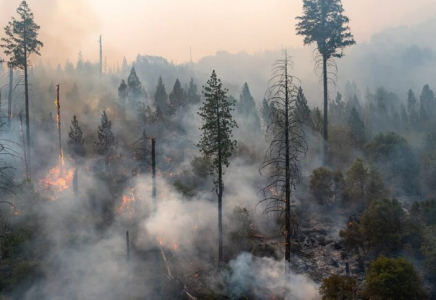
<point>20,42</point>
<point>287,143</point>
<point>106,138</point>
<point>323,23</point>
<point>216,141</point>
<point>76,142</point>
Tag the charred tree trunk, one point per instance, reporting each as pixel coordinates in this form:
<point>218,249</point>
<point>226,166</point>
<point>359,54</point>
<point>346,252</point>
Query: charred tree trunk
<point>76,183</point>
<point>26,94</point>
<point>325,144</point>
<point>127,246</point>
<point>24,150</point>
<point>288,180</point>
<point>220,191</point>
<point>11,80</point>
<point>58,119</point>
<point>153,172</point>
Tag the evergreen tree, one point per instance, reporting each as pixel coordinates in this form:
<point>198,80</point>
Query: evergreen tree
<point>337,110</point>
<point>76,142</point>
<point>303,108</point>
<point>358,135</point>
<point>246,107</point>
<point>412,109</point>
<point>323,23</point>
<point>216,140</point>
<point>317,121</point>
<point>74,94</point>
<point>192,95</point>
<point>177,98</point>
<point>123,95</point>
<point>20,42</point>
<point>161,100</point>
<point>427,103</point>
<point>106,138</point>
<point>404,116</point>
<point>135,87</point>
<point>266,112</point>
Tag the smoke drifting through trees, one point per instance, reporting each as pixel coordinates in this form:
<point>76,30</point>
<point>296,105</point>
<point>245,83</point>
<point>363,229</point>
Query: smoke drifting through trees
<point>58,227</point>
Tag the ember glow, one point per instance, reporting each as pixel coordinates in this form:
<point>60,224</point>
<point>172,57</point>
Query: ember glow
<point>55,182</point>
<point>127,204</point>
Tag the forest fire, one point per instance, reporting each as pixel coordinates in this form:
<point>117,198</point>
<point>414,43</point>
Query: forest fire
<point>127,204</point>
<point>56,182</point>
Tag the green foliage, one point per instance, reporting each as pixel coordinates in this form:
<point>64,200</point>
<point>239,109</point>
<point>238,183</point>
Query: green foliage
<point>106,138</point>
<point>192,96</point>
<point>357,134</point>
<point>161,100</point>
<point>246,107</point>
<point>178,98</point>
<point>134,87</point>
<point>326,186</point>
<point>428,249</point>
<point>76,141</point>
<point>384,226</point>
<point>317,121</point>
<point>393,279</point>
<point>241,230</point>
<point>216,139</point>
<point>337,110</point>
<point>338,287</point>
<point>201,166</point>
<point>426,104</point>
<point>21,38</point>
<point>363,184</point>
<point>266,113</point>
<point>303,108</point>
<point>323,23</point>
<point>353,237</point>
<point>123,95</point>
<point>412,109</point>
<point>394,156</point>
<point>426,211</point>
<point>183,189</point>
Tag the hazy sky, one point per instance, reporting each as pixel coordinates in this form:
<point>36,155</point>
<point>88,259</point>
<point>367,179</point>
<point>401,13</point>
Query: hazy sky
<point>169,27</point>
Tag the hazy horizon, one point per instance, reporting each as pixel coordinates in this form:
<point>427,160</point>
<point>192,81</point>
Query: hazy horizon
<point>148,27</point>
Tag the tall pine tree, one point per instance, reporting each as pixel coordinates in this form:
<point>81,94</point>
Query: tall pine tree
<point>324,23</point>
<point>192,95</point>
<point>216,141</point>
<point>106,138</point>
<point>246,107</point>
<point>177,98</point>
<point>20,42</point>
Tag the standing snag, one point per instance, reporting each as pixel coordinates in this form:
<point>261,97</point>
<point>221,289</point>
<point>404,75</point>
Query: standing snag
<point>286,145</point>
<point>323,23</point>
<point>216,142</point>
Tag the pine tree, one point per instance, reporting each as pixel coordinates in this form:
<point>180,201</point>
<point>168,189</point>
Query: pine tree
<point>216,142</point>
<point>266,112</point>
<point>303,109</point>
<point>123,95</point>
<point>427,103</point>
<point>412,109</point>
<point>246,107</point>
<point>177,98</point>
<point>106,138</point>
<point>76,142</point>
<point>192,95</point>
<point>337,110</point>
<point>161,100</point>
<point>323,23</point>
<point>358,135</point>
<point>134,87</point>
<point>20,42</point>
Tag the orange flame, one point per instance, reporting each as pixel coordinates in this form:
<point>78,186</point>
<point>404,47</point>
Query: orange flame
<point>127,204</point>
<point>54,182</point>
<point>175,246</point>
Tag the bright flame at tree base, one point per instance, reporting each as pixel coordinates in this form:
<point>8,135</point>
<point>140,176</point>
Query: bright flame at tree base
<point>55,182</point>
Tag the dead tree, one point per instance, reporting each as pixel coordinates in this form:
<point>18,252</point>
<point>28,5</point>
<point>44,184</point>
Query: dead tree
<point>58,119</point>
<point>287,144</point>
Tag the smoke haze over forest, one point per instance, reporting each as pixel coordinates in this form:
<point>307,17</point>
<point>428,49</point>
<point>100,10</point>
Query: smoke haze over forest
<point>322,165</point>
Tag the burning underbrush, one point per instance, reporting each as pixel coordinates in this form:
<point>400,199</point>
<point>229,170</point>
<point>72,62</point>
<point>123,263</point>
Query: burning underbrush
<point>58,180</point>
